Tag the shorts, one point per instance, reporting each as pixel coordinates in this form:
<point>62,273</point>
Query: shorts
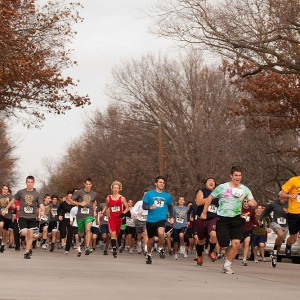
<point>81,224</point>
<point>258,239</point>
<point>41,227</point>
<point>140,226</point>
<point>177,232</point>
<point>130,230</point>
<point>114,225</point>
<point>53,226</point>
<point>6,222</point>
<point>229,228</point>
<point>27,224</point>
<point>275,227</point>
<point>293,223</point>
<point>189,233</point>
<point>104,229</point>
<point>169,230</point>
<point>204,227</point>
<point>75,230</point>
<point>153,227</point>
<point>247,233</point>
<point>95,230</point>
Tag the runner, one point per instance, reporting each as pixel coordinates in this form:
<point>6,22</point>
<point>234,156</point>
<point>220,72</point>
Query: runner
<point>130,232</point>
<point>105,234</point>
<point>86,198</point>
<point>114,204</point>
<point>157,202</point>
<point>291,191</point>
<point>179,227</point>
<point>30,201</point>
<point>206,228</point>
<point>44,222</point>
<point>5,216</point>
<point>230,226</point>
<point>53,221</point>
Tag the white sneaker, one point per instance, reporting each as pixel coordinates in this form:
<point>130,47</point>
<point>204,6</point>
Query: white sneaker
<point>182,249</point>
<point>45,247</point>
<point>176,256</point>
<point>256,259</point>
<point>139,249</point>
<point>130,251</point>
<point>227,269</point>
<point>185,255</point>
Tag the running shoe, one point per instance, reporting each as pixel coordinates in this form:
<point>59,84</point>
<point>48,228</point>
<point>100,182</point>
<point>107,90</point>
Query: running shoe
<point>182,249</point>
<point>27,256</point>
<point>105,252</point>
<point>288,252</point>
<point>91,250</point>
<point>115,253</point>
<point>67,252</point>
<point>52,248</point>
<point>30,252</point>
<point>185,255</point>
<point>79,254</point>
<point>212,256</point>
<point>148,259</point>
<point>45,246</point>
<point>244,263</point>
<point>176,256</point>
<point>227,269</point>
<point>2,248</point>
<point>256,259</point>
<point>139,249</point>
<point>17,249</point>
<point>162,254</point>
<point>130,251</point>
<point>199,260</point>
<point>87,251</point>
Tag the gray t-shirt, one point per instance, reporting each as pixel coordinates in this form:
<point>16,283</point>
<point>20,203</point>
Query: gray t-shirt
<point>29,203</point>
<point>4,200</point>
<point>87,210</point>
<point>104,217</point>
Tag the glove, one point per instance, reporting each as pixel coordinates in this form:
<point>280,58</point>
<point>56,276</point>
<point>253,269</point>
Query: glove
<point>122,215</point>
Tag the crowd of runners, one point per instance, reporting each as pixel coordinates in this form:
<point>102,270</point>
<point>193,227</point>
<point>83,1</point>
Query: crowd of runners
<point>218,222</point>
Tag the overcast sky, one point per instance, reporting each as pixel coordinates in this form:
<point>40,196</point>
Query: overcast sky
<point>113,30</point>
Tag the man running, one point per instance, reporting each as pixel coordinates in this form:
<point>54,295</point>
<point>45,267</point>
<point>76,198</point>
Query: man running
<point>158,203</point>
<point>230,226</point>
<point>291,190</point>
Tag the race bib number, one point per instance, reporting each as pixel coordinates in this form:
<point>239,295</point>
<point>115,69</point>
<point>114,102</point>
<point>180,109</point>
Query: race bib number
<point>237,192</point>
<point>105,218</point>
<point>298,198</point>
<point>281,221</point>
<point>28,210</point>
<point>212,209</point>
<point>85,210</point>
<point>179,220</point>
<point>159,203</point>
<point>67,215</point>
<point>115,208</point>
<point>143,217</point>
<point>44,218</point>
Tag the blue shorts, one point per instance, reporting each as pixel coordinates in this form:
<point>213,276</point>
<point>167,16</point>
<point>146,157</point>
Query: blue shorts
<point>258,239</point>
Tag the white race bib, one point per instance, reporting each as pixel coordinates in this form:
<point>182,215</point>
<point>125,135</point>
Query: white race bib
<point>281,221</point>
<point>28,210</point>
<point>247,218</point>
<point>115,208</point>
<point>237,192</point>
<point>143,217</point>
<point>44,218</point>
<point>105,218</point>
<point>67,215</point>
<point>159,203</point>
<point>85,210</point>
<point>298,198</point>
<point>212,208</point>
<point>179,220</point>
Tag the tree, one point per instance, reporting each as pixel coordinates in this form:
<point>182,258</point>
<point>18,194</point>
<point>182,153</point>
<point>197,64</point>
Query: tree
<point>34,52</point>
<point>265,33</point>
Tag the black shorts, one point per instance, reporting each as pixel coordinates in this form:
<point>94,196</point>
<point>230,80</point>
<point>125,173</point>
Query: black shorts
<point>189,233</point>
<point>41,227</point>
<point>75,230</point>
<point>229,228</point>
<point>6,222</point>
<point>95,230</point>
<point>104,229</point>
<point>27,224</point>
<point>153,227</point>
<point>177,232</point>
<point>246,234</point>
<point>130,230</point>
<point>53,226</point>
<point>293,223</point>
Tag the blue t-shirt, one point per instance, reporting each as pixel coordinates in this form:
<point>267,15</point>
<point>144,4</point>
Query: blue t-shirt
<point>180,216</point>
<point>162,201</point>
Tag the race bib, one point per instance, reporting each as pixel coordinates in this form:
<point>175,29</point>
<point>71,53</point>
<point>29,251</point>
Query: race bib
<point>237,192</point>
<point>105,218</point>
<point>67,215</point>
<point>159,203</point>
<point>247,218</point>
<point>281,221</point>
<point>44,218</point>
<point>85,210</point>
<point>298,198</point>
<point>179,220</point>
<point>115,208</point>
<point>212,209</point>
<point>143,217</point>
<point>28,210</point>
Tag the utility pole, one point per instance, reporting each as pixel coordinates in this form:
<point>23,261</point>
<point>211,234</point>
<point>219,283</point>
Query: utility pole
<point>160,147</point>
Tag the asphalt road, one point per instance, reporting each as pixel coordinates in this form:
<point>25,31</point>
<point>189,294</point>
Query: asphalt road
<point>63,277</point>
